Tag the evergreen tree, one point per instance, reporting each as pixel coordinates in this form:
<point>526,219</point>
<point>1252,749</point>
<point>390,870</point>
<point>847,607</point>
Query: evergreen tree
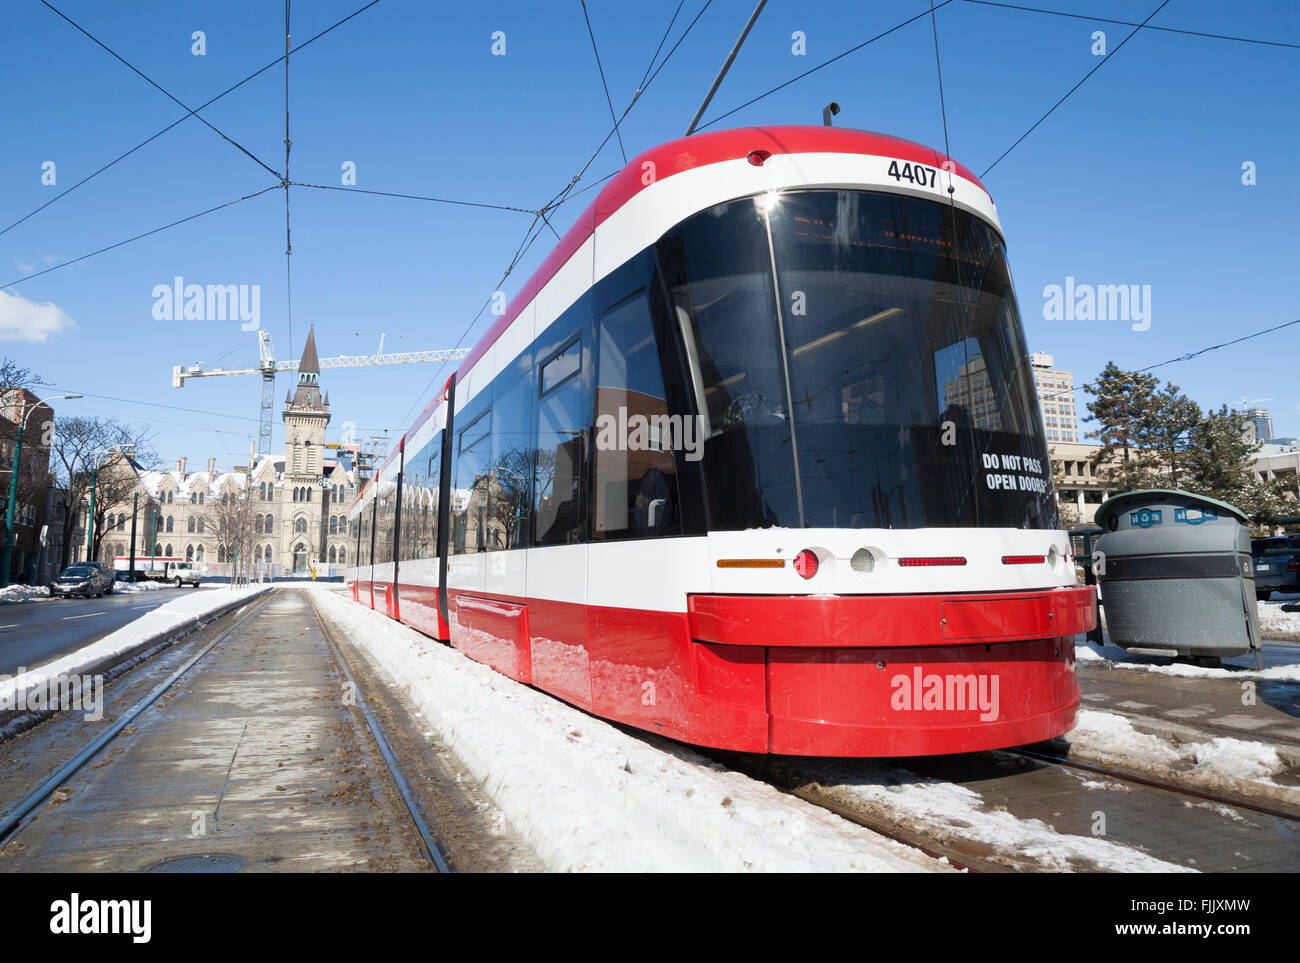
<point>1218,464</point>
<point>1166,437</point>
<point>1124,407</point>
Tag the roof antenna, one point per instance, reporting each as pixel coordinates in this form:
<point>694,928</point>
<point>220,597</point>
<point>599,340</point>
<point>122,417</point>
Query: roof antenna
<point>829,111</point>
<point>717,81</point>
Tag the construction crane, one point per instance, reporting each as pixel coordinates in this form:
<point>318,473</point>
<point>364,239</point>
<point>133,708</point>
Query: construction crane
<point>268,368</point>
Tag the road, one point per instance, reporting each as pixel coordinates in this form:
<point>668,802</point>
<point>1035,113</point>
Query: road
<point>34,633</point>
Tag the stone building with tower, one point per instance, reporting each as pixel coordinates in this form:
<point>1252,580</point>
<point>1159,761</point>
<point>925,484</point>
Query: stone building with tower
<point>297,501</point>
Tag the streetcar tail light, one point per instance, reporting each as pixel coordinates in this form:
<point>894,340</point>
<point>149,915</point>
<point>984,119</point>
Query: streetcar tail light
<point>1293,565</point>
<point>751,563</point>
<point>925,561</point>
<point>806,564</point>
<point>756,157</point>
<point>1023,559</point>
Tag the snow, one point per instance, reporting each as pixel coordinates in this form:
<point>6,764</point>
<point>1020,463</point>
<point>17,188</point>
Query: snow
<point>166,618</point>
<point>1280,615</point>
<point>1238,758</point>
<point>1118,658</point>
<point>1084,653</point>
<point>132,587</point>
<point>941,806</point>
<point>589,797</point>
<point>1277,673</point>
<point>1218,762</point>
<point>1139,663</point>
<point>23,593</point>
<point>1116,735</point>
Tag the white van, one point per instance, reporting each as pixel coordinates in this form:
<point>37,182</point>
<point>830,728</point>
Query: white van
<point>181,573</point>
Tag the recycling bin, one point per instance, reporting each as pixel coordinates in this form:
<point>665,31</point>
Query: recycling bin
<point>1176,575</point>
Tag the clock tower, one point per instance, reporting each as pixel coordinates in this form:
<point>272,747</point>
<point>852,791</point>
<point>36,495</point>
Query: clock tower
<point>305,418</point>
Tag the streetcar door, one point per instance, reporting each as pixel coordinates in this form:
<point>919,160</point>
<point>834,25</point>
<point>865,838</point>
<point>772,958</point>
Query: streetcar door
<point>557,562</point>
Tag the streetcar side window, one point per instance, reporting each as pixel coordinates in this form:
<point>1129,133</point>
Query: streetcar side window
<point>559,509</point>
<point>471,523</point>
<point>563,366</point>
<point>387,496</point>
<point>510,489</point>
<point>419,501</point>
<point>636,437</point>
<point>364,557</point>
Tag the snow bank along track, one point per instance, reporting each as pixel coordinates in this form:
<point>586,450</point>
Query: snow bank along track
<point>21,813</point>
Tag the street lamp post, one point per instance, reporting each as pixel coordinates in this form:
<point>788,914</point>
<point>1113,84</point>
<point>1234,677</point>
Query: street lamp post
<point>13,483</point>
<point>135,507</point>
<point>90,519</point>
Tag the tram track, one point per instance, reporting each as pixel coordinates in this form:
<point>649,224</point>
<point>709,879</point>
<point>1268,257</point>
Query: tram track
<point>1235,802</point>
<point>432,849</point>
<point>770,770</point>
<point>13,819</point>
<point>20,814</point>
<point>823,783</point>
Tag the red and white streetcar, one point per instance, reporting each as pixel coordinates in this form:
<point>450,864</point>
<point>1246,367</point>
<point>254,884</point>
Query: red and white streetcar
<point>753,461</point>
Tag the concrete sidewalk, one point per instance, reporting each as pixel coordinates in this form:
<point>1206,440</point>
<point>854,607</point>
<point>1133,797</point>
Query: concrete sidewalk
<point>254,754</point>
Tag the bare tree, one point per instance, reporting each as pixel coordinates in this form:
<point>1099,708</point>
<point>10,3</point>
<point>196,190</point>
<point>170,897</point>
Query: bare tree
<point>86,452</point>
<point>119,477</point>
<point>13,375</point>
<point>231,516</point>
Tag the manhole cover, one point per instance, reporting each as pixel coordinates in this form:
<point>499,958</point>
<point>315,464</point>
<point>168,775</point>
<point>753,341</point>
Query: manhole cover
<point>199,863</point>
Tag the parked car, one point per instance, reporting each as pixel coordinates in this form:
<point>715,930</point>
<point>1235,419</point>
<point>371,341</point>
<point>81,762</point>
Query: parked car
<point>106,573</point>
<point>1277,564</point>
<point>130,575</point>
<point>82,579</point>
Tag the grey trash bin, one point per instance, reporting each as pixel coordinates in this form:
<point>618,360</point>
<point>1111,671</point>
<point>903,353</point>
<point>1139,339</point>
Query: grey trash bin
<point>1176,574</point>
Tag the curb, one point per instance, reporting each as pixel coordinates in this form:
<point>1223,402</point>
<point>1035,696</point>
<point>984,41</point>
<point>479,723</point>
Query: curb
<point>15,721</point>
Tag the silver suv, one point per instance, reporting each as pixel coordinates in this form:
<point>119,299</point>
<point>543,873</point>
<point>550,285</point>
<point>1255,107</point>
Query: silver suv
<point>106,573</point>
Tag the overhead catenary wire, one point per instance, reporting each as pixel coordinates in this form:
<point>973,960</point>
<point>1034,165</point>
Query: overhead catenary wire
<point>827,63</point>
<point>603,83</point>
<point>158,404</point>
<point>655,55</point>
<point>415,197</point>
<point>726,66</point>
<point>167,93</point>
<point>962,305</point>
<point>559,198</point>
<point>1182,357</point>
<point>530,236</point>
<point>288,232</point>
<point>181,120</point>
<point>1081,82</point>
<point>1131,23</point>
<point>138,237</point>
<point>568,193</point>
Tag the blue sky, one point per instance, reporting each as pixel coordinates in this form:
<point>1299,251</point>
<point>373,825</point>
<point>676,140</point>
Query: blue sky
<point>1136,179</point>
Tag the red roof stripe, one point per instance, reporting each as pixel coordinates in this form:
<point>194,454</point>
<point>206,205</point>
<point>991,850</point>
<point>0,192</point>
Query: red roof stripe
<point>688,153</point>
<point>684,154</point>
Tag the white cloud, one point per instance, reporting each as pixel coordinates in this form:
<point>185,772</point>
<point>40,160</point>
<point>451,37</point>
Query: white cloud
<point>23,320</point>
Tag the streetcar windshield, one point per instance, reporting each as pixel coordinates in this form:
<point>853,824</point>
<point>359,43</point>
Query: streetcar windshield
<point>857,361</point>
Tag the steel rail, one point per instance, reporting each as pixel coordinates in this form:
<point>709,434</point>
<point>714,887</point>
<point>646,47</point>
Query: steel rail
<point>13,819</point>
<point>432,847</point>
<point>1154,783</point>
